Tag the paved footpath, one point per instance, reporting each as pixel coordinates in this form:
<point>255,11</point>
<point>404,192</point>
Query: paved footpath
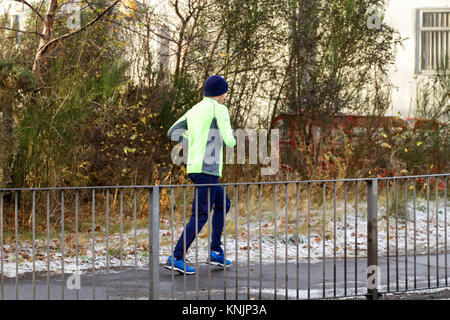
<point>244,282</point>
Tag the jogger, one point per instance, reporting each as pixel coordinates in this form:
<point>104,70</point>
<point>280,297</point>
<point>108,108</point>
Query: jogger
<point>206,126</point>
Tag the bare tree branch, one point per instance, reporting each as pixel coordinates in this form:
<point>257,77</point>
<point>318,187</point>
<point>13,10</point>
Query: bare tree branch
<point>31,7</point>
<point>69,34</point>
<point>177,10</point>
<point>22,31</point>
<point>159,35</point>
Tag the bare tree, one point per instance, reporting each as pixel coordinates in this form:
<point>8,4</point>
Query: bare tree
<point>46,36</point>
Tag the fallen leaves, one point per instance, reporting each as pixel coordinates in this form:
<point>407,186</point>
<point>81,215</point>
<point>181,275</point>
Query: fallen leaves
<point>96,229</point>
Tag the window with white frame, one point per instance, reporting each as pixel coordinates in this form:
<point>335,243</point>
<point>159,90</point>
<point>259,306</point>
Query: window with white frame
<point>433,38</point>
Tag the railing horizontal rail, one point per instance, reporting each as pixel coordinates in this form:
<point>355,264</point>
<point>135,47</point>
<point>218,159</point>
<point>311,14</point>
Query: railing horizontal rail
<point>223,184</point>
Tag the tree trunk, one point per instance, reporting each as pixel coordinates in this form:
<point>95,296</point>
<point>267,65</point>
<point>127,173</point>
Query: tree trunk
<point>47,33</point>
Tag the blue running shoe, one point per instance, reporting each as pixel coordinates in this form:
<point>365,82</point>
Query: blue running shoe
<point>179,266</point>
<point>217,259</point>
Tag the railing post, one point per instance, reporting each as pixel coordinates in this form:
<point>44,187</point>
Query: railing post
<point>153,243</point>
<point>373,274</point>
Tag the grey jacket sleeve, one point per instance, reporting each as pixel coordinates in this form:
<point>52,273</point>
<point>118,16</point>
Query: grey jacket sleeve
<point>178,130</point>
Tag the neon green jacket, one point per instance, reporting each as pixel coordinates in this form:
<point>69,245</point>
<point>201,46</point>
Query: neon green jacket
<point>208,127</point>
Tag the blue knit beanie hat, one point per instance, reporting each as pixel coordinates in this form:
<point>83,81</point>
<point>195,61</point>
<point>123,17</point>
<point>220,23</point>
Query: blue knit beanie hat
<point>215,86</point>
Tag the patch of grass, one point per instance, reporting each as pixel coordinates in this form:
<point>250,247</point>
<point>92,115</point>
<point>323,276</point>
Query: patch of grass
<point>231,227</point>
<point>115,252</point>
<point>9,236</point>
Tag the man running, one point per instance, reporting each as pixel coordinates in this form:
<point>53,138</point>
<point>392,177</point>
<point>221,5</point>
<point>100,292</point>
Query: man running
<point>208,126</point>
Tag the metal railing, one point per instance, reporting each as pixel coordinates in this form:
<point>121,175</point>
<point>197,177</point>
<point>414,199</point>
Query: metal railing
<point>285,239</point>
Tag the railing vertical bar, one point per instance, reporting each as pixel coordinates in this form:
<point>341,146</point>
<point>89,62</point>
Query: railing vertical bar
<point>297,218</point>
<point>154,243</point>
<point>356,237</point>
<point>153,240</point>
<point>345,238</point>
<point>406,234</point>
<point>151,284</point>
<point>184,241</point>
<point>48,245</point>
<point>93,244</point>
<point>2,292</point>
<point>388,273</point>
<point>196,244</point>
<point>309,240</point>
<point>396,236</point>
<point>76,240</point>
<point>107,244</point>
<point>323,238</point>
<point>334,238</point>
<point>428,232</point>
<point>275,243</point>
<point>437,231</point>
<point>260,242</point>
<point>415,248</point>
<point>236,195</point>
<point>445,230</point>
<point>286,243</point>
<point>16,217</point>
<point>225,243</point>
<point>62,244</point>
<point>209,242</point>
<point>121,244</point>
<point>33,244</point>
<point>135,243</point>
<point>172,240</point>
<point>372,235</point>
<point>248,242</point>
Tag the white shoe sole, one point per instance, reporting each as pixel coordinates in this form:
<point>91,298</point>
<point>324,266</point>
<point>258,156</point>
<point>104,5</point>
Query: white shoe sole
<point>179,270</point>
<point>214,263</point>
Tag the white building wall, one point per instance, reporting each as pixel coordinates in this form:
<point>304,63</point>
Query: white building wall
<point>401,15</point>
